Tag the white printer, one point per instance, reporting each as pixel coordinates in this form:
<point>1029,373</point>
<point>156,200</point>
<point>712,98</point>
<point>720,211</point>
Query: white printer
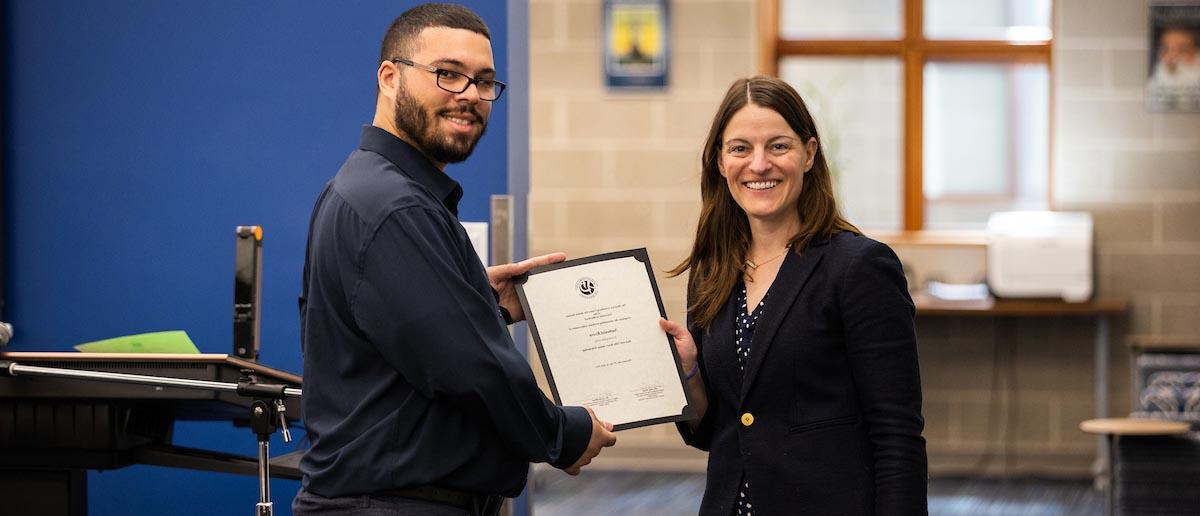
<point>1040,254</point>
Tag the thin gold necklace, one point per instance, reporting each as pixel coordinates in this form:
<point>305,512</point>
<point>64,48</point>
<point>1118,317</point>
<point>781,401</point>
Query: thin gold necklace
<point>754,266</point>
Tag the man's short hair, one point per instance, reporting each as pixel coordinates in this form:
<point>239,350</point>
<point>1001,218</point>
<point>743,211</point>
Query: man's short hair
<point>401,37</point>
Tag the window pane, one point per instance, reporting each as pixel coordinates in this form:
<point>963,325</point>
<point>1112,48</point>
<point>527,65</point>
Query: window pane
<point>858,108</point>
<point>1011,20</point>
<point>986,141</point>
<point>843,19</point>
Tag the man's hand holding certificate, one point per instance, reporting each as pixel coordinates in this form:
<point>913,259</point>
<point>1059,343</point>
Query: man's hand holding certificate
<point>595,323</point>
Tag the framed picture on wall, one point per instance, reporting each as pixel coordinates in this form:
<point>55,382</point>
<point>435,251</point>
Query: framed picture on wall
<point>635,44</point>
<point>1173,74</point>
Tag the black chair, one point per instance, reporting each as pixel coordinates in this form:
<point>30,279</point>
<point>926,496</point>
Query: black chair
<point>1160,475</point>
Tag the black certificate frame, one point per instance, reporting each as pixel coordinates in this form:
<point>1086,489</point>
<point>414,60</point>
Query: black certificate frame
<point>639,254</point>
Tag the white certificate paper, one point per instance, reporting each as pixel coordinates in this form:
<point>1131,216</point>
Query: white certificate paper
<point>595,323</point>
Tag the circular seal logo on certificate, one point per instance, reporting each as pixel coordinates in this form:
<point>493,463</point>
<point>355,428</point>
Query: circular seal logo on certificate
<point>586,287</point>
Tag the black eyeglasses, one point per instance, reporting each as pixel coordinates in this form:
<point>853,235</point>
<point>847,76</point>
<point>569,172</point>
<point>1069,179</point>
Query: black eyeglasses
<point>456,82</point>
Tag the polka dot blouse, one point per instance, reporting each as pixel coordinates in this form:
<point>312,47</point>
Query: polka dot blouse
<point>743,335</point>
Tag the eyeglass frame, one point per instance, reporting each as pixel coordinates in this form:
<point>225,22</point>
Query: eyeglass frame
<point>500,85</point>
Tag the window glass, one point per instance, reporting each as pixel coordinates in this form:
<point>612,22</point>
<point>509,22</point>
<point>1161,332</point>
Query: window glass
<point>1008,20</point>
<point>986,141</point>
<point>858,108</point>
<point>841,19</point>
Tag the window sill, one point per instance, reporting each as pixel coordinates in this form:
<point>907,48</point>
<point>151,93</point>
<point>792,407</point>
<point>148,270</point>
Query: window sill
<point>930,237</point>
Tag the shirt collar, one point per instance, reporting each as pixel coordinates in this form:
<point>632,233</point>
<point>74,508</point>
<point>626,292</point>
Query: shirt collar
<point>413,164</point>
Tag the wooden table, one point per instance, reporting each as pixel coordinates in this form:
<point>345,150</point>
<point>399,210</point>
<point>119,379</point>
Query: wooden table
<point>1109,428</point>
<point>1100,310</point>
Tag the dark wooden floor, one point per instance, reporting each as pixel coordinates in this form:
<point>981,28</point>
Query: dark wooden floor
<point>595,493</point>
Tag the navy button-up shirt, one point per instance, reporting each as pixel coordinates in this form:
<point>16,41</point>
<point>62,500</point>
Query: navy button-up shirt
<point>410,376</point>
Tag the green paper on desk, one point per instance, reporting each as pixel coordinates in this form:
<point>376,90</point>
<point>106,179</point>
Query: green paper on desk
<point>156,342</point>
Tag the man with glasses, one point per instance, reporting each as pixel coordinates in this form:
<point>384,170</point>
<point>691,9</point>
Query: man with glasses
<point>416,401</point>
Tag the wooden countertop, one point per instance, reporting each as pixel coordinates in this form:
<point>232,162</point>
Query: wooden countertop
<point>1133,426</point>
<point>1163,343</point>
<point>992,307</point>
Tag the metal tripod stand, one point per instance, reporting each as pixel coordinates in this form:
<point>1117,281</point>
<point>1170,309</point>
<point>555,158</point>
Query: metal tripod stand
<point>265,411</point>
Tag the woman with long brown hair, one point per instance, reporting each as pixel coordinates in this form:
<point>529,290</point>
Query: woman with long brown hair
<point>800,347</point>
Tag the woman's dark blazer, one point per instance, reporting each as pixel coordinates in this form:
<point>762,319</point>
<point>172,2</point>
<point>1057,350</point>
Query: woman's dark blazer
<point>833,388</point>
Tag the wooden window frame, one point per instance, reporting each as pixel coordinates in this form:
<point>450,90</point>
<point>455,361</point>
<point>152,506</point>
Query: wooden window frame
<point>913,50</point>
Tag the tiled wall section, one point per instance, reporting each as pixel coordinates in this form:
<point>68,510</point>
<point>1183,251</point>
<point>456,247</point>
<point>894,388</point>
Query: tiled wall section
<point>612,171</point>
<point>617,170</point>
<point>1137,171</point>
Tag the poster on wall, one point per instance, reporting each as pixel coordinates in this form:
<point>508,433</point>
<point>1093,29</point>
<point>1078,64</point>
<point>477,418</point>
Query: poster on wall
<point>1173,76</point>
<point>635,44</point>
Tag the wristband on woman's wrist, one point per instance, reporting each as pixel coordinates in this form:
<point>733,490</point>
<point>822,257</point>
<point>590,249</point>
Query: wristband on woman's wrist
<point>695,370</point>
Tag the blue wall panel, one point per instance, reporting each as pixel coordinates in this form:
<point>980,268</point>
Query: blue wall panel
<point>138,134</point>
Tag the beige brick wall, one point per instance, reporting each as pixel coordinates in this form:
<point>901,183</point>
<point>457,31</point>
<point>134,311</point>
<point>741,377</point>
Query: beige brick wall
<point>1136,171</point>
<point>618,170</point>
<point>613,170</point>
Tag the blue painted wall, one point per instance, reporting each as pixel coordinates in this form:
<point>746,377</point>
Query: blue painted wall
<point>138,134</point>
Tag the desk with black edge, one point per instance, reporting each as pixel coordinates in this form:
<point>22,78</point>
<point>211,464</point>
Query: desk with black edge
<point>1100,310</point>
<point>54,429</point>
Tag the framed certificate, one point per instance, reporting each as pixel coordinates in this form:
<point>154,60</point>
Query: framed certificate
<point>595,323</point>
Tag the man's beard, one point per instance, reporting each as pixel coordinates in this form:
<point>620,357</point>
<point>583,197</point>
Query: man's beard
<point>1183,76</point>
<point>413,120</point>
